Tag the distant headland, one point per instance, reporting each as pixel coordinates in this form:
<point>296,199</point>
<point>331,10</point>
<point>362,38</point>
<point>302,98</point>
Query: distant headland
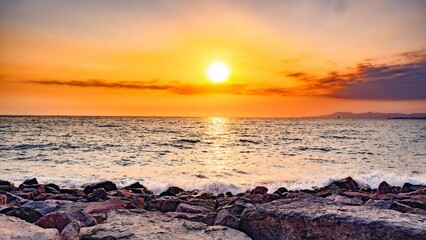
<point>371,115</point>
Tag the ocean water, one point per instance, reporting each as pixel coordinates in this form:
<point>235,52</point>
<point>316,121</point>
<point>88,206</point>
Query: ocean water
<point>214,154</point>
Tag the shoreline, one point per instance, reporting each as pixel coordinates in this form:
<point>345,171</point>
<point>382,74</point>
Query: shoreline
<point>82,213</point>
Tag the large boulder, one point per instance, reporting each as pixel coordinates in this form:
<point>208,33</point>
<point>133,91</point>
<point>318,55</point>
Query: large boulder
<point>14,228</point>
<point>141,224</point>
<point>71,231</point>
<point>27,214</point>
<point>60,220</point>
<point>107,185</point>
<point>172,191</point>
<point>311,217</point>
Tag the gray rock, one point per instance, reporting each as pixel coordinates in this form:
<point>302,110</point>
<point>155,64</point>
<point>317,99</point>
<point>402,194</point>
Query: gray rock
<point>44,207</point>
<point>317,218</point>
<point>17,229</point>
<point>71,231</point>
<point>142,224</point>
<point>207,218</point>
<point>225,218</point>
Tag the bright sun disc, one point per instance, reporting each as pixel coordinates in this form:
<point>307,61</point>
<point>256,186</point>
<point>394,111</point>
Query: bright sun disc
<point>218,72</point>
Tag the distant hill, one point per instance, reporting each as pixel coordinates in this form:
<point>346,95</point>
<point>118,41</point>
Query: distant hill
<point>371,115</point>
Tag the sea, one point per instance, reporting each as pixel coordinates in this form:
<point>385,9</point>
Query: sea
<point>214,154</point>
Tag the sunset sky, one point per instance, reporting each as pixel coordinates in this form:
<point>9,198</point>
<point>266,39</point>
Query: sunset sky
<point>149,58</point>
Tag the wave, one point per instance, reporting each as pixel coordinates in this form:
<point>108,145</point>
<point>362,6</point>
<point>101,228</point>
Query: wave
<point>222,186</point>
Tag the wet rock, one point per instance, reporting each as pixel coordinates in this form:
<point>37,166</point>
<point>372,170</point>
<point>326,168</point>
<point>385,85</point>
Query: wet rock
<point>256,198</point>
<point>345,200</point>
<point>27,214</point>
<point>71,231</point>
<point>14,228</point>
<point>43,207</point>
<point>32,181</point>
<point>107,185</point>
<point>50,190</point>
<point>207,218</point>
<point>281,190</point>
<point>366,188</point>
<point>7,186</point>
<point>329,190</point>
<point>385,188</point>
<point>383,204</point>
<point>225,218</point>
<point>359,195</point>
<point>347,184</point>
<point>131,224</point>
<point>106,206</point>
<point>172,191</point>
<point>60,220</point>
<point>54,186</point>
<point>408,187</point>
<point>318,218</point>
<point>137,188</point>
<point>3,199</point>
<point>97,194</point>
<point>187,208</point>
<point>76,192</point>
<point>259,190</point>
<point>136,203</point>
<point>229,194</point>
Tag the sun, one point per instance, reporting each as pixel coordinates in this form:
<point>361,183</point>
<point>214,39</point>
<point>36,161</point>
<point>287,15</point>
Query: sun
<point>218,72</point>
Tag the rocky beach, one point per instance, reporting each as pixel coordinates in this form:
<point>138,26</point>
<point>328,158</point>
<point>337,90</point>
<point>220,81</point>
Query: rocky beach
<point>343,209</point>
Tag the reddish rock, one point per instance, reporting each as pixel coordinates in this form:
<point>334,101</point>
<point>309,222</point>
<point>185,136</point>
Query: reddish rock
<point>26,195</point>
<point>225,218</point>
<point>259,190</point>
<point>3,199</point>
<point>71,231</point>
<point>170,204</point>
<point>41,197</point>
<point>183,207</point>
<point>106,206</point>
<point>107,185</point>
<point>121,193</point>
<point>261,198</point>
<point>136,203</point>
<point>60,220</point>
<point>210,204</point>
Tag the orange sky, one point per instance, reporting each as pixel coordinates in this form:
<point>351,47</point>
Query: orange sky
<point>288,58</point>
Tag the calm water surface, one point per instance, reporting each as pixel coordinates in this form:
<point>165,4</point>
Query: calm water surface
<point>214,154</point>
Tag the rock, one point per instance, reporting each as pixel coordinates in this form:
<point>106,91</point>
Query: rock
<point>281,190</point>
<point>256,198</point>
<point>141,224</point>
<point>183,207</point>
<point>347,184</point>
<point>13,199</point>
<point>317,218</point>
<point>329,190</point>
<point>259,190</point>
<point>97,194</point>
<point>172,191</point>
<point>71,231</point>
<point>170,205</point>
<point>14,228</point>
<point>359,195</point>
<point>26,214</point>
<point>408,187</point>
<point>7,186</point>
<point>106,206</point>
<point>107,185</point>
<point>414,203</point>
<point>60,220</point>
<point>43,207</point>
<point>3,199</point>
<point>26,195</point>
<point>32,181</point>
<point>76,192</point>
<point>225,218</point>
<point>383,204</point>
<point>63,196</point>
<point>138,203</point>
<point>40,197</point>
<point>385,188</point>
<point>54,186</point>
<point>229,194</point>
<point>50,190</point>
<point>345,200</point>
<point>137,188</point>
<point>210,204</point>
<point>207,218</point>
